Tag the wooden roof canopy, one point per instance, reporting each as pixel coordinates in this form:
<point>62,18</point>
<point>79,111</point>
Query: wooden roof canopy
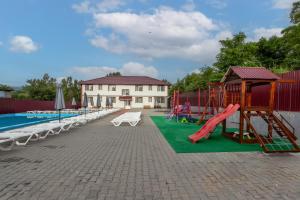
<point>253,75</point>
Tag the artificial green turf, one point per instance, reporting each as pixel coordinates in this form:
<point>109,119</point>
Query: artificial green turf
<point>177,136</point>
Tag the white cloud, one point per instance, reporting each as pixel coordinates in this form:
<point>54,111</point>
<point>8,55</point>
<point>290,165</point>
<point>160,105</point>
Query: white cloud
<point>133,68</point>
<point>102,6</point>
<point>283,4</point>
<point>83,7</point>
<point>266,33</point>
<point>218,4</point>
<point>189,5</point>
<point>130,68</point>
<point>23,44</point>
<point>107,5</point>
<point>164,33</point>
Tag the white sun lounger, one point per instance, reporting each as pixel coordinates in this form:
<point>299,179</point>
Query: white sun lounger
<point>6,144</point>
<point>32,133</point>
<point>133,118</point>
<point>22,136</point>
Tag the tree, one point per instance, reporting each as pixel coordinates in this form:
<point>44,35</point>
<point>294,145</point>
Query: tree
<point>236,52</point>
<point>5,88</point>
<point>271,52</point>
<point>45,89</point>
<point>295,13</point>
<point>291,39</point>
<point>41,89</point>
<point>71,89</point>
<point>166,81</point>
<point>196,80</point>
<point>114,74</point>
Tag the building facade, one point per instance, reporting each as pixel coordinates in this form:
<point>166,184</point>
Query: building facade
<point>5,93</point>
<point>126,91</point>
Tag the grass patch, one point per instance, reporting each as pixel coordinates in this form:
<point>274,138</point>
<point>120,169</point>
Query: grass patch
<point>177,136</point>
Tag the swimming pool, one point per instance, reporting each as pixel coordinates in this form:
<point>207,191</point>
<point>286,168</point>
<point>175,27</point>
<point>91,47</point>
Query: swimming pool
<point>17,120</point>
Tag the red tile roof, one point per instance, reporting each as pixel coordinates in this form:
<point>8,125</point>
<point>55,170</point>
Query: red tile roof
<point>124,80</point>
<point>255,73</point>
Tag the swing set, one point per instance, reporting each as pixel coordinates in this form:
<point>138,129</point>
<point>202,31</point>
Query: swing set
<point>183,112</point>
<point>213,103</point>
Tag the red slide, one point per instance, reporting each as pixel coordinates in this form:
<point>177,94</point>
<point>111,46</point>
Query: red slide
<point>213,122</point>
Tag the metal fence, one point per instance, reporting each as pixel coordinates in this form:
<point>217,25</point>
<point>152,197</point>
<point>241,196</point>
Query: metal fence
<point>8,105</point>
<point>287,96</point>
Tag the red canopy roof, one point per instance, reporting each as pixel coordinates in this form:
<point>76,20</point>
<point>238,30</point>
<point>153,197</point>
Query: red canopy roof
<point>124,80</point>
<point>255,73</point>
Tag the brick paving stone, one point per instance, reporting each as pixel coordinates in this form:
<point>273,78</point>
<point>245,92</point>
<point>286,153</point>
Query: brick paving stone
<point>99,161</point>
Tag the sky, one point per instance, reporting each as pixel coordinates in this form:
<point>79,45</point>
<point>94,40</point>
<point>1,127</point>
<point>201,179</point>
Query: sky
<point>87,39</point>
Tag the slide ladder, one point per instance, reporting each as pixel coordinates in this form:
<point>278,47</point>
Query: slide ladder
<point>284,141</point>
<point>279,124</point>
<point>258,137</point>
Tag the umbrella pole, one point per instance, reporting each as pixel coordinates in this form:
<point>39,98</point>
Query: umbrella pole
<point>59,116</point>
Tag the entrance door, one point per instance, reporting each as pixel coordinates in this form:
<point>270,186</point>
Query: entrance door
<point>127,104</point>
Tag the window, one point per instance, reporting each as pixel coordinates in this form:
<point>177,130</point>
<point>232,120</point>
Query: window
<point>150,87</point>
<point>99,87</point>
<point>139,88</point>
<point>160,99</point>
<point>161,88</point>
<point>138,99</point>
<point>110,100</point>
<point>111,87</point>
<point>91,101</point>
<point>125,92</point>
<point>89,87</point>
<point>149,99</point>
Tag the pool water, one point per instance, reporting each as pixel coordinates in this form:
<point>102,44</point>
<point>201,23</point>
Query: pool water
<point>17,120</point>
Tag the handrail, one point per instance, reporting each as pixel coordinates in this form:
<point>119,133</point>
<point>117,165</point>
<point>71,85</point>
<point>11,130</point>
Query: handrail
<point>285,120</point>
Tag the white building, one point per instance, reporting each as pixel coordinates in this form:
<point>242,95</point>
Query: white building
<point>5,93</point>
<point>126,91</point>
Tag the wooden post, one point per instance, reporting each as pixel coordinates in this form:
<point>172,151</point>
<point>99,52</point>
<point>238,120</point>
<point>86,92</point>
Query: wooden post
<point>224,97</point>
<point>224,105</point>
<point>199,102</point>
<point>272,96</point>
<point>242,108</point>
<point>271,108</point>
<point>249,99</point>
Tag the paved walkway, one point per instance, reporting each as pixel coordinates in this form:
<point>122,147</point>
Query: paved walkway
<point>98,161</point>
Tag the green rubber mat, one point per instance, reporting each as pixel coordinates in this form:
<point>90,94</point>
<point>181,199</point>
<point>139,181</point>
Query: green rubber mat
<point>177,136</point>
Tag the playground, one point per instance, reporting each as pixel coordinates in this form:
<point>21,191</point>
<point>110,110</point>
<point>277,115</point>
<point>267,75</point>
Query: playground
<point>210,128</point>
<point>177,136</point>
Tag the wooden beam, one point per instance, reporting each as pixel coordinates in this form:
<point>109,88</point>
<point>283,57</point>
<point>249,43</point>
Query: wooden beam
<point>249,99</point>
<point>225,100</point>
<point>272,96</point>
<point>286,81</point>
<point>242,108</point>
<point>257,108</point>
<point>271,108</point>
